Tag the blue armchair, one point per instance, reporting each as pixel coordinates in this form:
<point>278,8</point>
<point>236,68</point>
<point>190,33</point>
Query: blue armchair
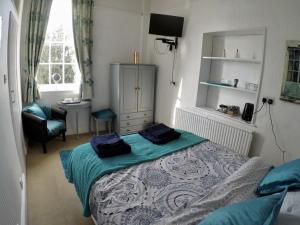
<point>42,123</point>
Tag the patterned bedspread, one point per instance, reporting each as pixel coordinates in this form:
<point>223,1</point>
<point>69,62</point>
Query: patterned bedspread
<point>158,191</point>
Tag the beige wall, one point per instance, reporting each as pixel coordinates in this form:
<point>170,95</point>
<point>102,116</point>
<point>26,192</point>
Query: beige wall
<point>281,20</point>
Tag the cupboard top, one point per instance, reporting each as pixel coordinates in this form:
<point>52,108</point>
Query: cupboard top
<point>131,64</point>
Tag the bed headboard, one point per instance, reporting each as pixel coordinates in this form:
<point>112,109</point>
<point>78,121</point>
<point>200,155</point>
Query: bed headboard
<point>234,136</point>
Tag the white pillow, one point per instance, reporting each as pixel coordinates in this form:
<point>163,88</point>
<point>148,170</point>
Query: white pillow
<point>290,210</point>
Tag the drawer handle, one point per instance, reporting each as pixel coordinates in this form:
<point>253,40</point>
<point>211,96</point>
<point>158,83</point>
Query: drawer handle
<point>145,114</point>
<point>128,130</point>
<point>145,121</point>
<point>128,124</point>
<point>128,117</point>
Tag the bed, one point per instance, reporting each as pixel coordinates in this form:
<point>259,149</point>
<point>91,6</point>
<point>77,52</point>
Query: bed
<point>181,188</point>
<point>180,182</point>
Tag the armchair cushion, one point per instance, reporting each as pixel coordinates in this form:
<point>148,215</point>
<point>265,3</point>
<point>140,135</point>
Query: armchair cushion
<point>55,127</point>
<point>36,110</point>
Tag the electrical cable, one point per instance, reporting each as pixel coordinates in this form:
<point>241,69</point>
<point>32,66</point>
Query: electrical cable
<point>275,137</point>
<point>172,82</point>
<point>173,68</point>
<point>260,108</point>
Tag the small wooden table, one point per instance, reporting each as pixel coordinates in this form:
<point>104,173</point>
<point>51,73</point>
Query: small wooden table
<point>77,107</point>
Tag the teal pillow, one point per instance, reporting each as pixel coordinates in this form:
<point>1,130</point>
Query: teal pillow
<point>280,178</point>
<point>36,110</point>
<point>258,211</point>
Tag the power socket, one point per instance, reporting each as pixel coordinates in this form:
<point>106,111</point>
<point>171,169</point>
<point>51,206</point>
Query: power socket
<point>269,101</point>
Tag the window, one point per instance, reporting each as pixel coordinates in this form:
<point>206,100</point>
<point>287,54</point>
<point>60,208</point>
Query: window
<point>293,64</point>
<point>290,90</point>
<point>58,69</point>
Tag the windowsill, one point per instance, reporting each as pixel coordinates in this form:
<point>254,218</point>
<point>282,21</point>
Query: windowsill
<point>59,88</point>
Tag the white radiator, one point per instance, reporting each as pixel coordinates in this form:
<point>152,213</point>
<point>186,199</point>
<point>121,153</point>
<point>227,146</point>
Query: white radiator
<point>232,137</point>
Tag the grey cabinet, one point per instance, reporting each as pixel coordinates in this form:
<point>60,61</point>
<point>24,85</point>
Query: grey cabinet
<point>132,96</point>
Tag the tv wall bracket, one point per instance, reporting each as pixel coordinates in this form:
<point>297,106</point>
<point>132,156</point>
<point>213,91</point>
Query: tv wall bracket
<point>172,43</point>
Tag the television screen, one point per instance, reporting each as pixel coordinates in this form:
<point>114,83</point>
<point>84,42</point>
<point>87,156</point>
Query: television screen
<point>166,25</point>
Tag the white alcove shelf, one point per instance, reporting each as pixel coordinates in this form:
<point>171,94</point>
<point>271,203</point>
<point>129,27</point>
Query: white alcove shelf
<point>229,55</point>
<point>232,59</point>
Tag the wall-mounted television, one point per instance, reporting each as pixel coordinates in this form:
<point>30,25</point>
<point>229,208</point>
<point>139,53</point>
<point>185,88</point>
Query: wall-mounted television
<point>166,25</point>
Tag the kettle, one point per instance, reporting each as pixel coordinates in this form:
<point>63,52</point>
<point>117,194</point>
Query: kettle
<point>248,112</point>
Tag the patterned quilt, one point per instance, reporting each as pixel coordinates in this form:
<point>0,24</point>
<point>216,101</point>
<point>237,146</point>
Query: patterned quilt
<point>168,190</point>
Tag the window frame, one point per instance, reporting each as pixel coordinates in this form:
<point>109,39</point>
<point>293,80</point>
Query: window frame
<point>65,42</point>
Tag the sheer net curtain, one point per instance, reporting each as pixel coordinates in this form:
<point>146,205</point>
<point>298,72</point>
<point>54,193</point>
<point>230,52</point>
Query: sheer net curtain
<point>83,38</point>
<point>38,22</point>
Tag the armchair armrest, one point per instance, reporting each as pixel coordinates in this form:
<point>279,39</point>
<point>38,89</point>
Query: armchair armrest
<point>28,117</point>
<point>34,126</point>
<point>59,113</point>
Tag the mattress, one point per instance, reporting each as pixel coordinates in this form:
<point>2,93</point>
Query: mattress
<point>181,188</point>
